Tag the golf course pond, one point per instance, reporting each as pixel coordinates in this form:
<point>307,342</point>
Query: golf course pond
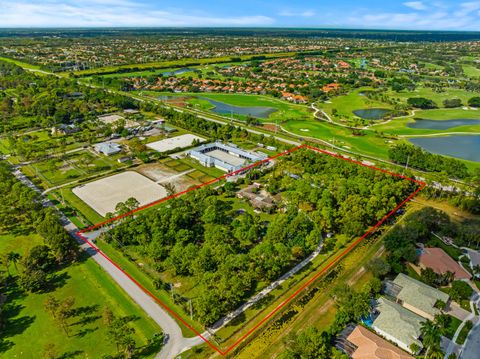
<point>178,72</point>
<point>223,108</point>
<point>464,147</point>
<point>226,109</point>
<point>372,113</point>
<point>442,124</point>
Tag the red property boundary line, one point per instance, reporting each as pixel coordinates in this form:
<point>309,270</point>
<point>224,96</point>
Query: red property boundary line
<point>332,262</point>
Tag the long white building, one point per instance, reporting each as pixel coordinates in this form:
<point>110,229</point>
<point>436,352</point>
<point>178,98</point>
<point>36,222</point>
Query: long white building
<point>228,158</point>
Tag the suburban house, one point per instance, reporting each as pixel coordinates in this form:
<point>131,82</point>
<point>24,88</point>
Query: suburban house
<point>416,296</point>
<point>258,197</point>
<point>440,262</point>
<point>64,129</point>
<point>360,343</point>
<point>108,148</point>
<point>398,324</point>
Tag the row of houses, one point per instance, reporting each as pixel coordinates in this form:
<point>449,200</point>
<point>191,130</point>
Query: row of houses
<point>397,318</point>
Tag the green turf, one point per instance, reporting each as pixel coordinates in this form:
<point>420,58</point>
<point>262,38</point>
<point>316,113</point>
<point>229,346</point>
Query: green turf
<point>452,327</point>
<point>30,327</point>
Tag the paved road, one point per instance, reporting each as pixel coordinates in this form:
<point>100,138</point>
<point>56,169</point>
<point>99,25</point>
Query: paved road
<point>176,342</point>
<point>471,350</point>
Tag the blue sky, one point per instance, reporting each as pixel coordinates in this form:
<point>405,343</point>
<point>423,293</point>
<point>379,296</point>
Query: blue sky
<point>383,14</point>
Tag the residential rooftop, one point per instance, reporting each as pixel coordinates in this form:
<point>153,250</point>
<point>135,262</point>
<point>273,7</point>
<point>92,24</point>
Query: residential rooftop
<point>419,295</point>
<point>440,262</point>
<point>398,324</point>
<point>371,346</point>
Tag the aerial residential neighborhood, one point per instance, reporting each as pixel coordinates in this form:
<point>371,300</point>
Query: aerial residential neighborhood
<point>270,179</point>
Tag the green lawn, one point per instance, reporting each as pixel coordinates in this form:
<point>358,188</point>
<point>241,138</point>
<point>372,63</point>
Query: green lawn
<point>463,335</point>
<point>471,71</point>
<point>346,104</point>
<point>73,201</point>
<point>30,327</point>
<point>452,327</point>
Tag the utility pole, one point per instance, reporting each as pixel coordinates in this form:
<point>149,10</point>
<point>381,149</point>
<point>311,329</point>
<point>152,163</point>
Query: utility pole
<point>191,309</point>
<point>406,165</point>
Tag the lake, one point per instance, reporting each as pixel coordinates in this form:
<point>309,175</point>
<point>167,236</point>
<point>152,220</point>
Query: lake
<point>464,147</point>
<point>177,72</point>
<point>442,124</point>
<point>226,109</point>
<point>372,113</point>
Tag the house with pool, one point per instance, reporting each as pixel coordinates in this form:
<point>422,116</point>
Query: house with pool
<point>398,324</point>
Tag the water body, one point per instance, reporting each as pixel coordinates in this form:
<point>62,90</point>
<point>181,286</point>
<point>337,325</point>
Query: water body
<point>464,147</point>
<point>178,72</point>
<point>226,109</point>
<point>372,113</point>
<point>442,124</point>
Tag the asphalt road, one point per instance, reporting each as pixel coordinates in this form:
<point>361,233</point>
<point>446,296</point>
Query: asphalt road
<point>471,350</point>
<point>176,342</point>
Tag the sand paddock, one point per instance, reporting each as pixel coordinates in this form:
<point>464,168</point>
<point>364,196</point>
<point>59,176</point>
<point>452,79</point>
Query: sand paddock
<point>169,144</point>
<point>104,194</point>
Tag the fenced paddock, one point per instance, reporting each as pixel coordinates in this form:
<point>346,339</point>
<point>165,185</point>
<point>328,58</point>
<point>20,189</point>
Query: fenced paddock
<point>169,144</point>
<point>104,194</point>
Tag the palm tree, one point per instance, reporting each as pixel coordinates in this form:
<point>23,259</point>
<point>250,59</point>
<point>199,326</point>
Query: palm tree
<point>14,257</point>
<point>435,352</point>
<point>431,334</point>
<point>5,260</point>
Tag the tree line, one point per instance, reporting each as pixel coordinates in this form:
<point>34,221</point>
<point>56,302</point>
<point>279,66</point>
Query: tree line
<point>418,158</point>
<point>21,210</point>
<point>229,253</point>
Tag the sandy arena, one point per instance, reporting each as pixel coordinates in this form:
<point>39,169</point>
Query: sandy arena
<point>104,194</point>
<point>169,144</point>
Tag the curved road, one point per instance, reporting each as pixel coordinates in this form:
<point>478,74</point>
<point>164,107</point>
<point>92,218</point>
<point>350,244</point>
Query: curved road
<point>176,342</point>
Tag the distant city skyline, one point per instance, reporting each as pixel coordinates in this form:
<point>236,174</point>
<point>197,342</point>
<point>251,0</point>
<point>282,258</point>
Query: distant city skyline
<point>371,14</point>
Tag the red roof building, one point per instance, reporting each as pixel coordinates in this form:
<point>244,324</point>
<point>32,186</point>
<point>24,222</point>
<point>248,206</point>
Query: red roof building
<point>440,262</point>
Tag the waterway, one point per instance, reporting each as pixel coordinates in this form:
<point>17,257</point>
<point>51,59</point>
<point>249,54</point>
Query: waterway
<point>442,124</point>
<point>372,113</point>
<point>464,147</point>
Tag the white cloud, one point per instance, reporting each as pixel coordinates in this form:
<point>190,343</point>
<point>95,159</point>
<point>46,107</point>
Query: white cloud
<point>467,8</point>
<point>416,5</point>
<point>51,13</point>
<point>289,13</point>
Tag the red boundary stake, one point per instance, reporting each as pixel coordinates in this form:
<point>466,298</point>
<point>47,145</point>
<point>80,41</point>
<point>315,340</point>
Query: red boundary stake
<point>332,262</point>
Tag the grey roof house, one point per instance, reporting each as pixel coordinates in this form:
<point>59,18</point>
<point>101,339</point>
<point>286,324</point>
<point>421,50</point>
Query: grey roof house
<point>398,324</point>
<point>416,296</point>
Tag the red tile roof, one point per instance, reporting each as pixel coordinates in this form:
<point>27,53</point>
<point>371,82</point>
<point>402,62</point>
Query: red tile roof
<point>441,262</point>
<point>371,346</point>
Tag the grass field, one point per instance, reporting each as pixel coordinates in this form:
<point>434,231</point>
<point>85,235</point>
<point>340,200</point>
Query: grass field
<point>30,327</point>
<point>471,71</point>
<point>346,104</point>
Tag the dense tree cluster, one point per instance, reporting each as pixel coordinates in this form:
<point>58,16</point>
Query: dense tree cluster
<point>421,102</point>
<point>420,159</point>
<point>230,253</point>
<point>29,100</point>
<point>401,241</point>
<point>21,209</point>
